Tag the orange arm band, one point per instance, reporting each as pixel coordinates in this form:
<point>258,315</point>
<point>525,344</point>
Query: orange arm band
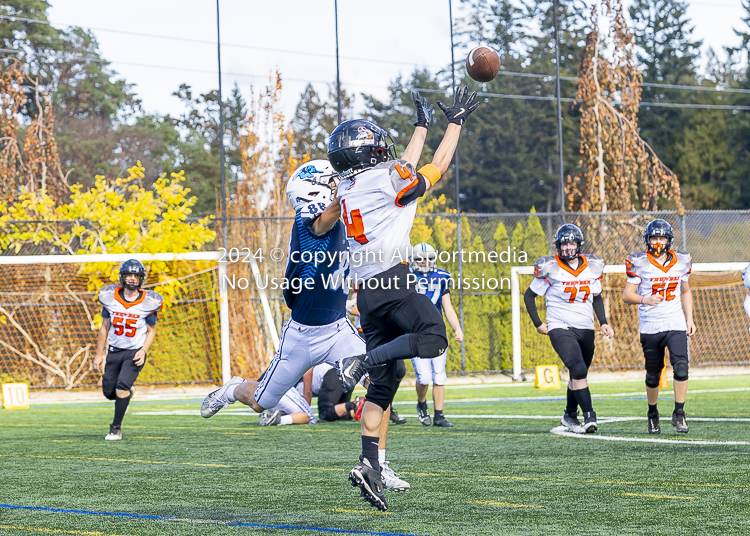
<point>430,173</point>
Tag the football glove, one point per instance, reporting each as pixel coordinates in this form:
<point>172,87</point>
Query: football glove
<point>463,105</point>
<point>424,112</point>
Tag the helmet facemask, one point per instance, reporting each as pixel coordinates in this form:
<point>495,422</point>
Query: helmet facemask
<point>658,249</point>
<point>129,286</point>
<point>567,253</point>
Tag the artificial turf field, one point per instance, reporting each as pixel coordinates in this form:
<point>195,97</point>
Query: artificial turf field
<point>487,475</point>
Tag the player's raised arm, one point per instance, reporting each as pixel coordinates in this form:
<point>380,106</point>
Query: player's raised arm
<point>424,115</point>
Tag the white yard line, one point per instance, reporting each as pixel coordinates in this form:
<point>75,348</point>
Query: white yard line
<point>562,431</point>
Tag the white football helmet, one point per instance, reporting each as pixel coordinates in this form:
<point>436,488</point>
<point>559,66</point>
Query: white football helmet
<point>313,181</point>
<point>423,252</point>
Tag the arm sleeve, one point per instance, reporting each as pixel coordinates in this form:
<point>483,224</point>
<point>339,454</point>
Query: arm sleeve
<point>598,304</point>
<point>105,313</point>
<point>529,298</point>
<point>151,319</point>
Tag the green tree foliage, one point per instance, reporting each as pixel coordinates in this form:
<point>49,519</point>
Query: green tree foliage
<point>315,118</point>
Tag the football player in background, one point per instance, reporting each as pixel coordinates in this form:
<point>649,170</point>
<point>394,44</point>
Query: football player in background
<point>658,283</point>
<point>293,408</point>
<point>571,284</point>
<point>128,330</point>
<point>435,284</point>
<point>378,199</point>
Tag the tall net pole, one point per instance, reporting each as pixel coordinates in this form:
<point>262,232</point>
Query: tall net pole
<point>221,136</point>
<point>338,79</point>
<point>559,113</point>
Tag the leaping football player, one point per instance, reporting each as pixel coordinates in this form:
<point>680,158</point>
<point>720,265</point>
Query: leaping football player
<point>571,285</point>
<point>435,284</point>
<point>128,330</point>
<point>657,277</point>
<point>378,199</point>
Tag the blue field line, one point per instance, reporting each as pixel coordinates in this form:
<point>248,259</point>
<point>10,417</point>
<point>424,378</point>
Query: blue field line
<point>202,521</point>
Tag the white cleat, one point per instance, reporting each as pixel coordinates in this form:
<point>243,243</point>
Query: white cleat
<point>270,418</point>
<point>571,422</point>
<point>391,480</point>
<point>115,434</point>
<point>217,400</point>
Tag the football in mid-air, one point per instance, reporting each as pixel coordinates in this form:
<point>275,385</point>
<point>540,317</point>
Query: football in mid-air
<point>482,64</point>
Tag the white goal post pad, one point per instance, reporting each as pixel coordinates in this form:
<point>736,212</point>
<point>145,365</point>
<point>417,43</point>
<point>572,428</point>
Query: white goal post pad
<point>515,291</point>
<point>226,373</point>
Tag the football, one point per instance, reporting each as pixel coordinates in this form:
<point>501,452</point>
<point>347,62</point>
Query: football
<point>482,64</point>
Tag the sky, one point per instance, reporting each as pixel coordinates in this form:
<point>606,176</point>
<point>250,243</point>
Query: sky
<point>156,45</point>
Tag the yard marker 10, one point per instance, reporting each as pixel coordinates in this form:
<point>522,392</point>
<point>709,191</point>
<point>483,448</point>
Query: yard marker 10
<point>16,396</point>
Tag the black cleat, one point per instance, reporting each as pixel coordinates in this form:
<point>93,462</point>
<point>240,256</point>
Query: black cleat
<point>589,423</point>
<point>679,422</point>
<point>349,371</point>
<point>369,483</point>
<point>396,418</point>
<point>440,420</point>
<point>424,415</point>
<point>653,425</point>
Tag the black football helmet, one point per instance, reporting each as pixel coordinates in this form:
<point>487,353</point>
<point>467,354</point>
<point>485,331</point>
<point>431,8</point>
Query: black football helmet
<point>658,227</point>
<point>357,145</point>
<point>568,233</point>
<point>132,266</point>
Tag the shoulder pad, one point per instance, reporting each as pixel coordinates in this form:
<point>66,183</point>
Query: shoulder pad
<point>107,295</point>
<point>443,273</point>
<point>684,256</point>
<point>596,264</point>
<point>153,301</point>
<point>544,265</point>
<point>634,262</point>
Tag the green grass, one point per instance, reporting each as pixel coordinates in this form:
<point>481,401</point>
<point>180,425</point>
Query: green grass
<point>484,476</point>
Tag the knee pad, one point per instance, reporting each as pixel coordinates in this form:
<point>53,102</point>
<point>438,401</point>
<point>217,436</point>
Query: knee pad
<point>578,371</point>
<point>652,379</point>
<point>428,345</point>
<point>327,414</point>
<point>680,371</point>
<point>109,394</point>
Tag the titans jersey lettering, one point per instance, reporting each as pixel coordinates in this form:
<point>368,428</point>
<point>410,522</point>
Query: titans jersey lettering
<point>323,301</point>
<point>129,319</point>
<point>434,285</point>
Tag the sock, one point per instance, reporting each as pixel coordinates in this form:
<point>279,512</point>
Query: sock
<point>652,410</point>
<point>422,405</point>
<point>230,393</point>
<point>572,406</point>
<point>679,406</point>
<point>438,413</point>
<point>584,399</point>
<point>121,406</point>
<point>398,348</point>
<point>350,406</point>
<point>370,451</point>
<point>381,456</point>
<point>286,419</point>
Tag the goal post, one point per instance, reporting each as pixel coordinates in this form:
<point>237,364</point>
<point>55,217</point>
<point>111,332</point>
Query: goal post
<point>41,296</point>
<point>717,294</point>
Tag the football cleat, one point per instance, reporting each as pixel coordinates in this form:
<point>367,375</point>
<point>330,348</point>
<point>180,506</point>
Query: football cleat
<point>350,370</point>
<point>370,486</point>
<point>395,417</point>
<point>440,420</point>
<point>217,400</point>
<point>424,415</point>
<point>653,425</point>
<point>589,423</point>
<point>115,434</point>
<point>270,417</point>
<point>571,422</point>
<point>679,422</point>
<point>360,403</point>
<point>391,480</point>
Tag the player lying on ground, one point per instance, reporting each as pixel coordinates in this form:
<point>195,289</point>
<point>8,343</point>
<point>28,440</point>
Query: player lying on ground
<point>128,331</point>
<point>434,284</point>
<point>291,409</point>
<point>378,198</point>
<point>656,278</point>
<point>571,285</point>
<point>318,330</point>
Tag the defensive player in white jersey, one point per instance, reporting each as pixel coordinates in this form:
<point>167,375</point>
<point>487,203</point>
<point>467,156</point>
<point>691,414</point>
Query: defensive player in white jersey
<point>658,284</point>
<point>318,330</point>
<point>128,331</point>
<point>378,197</point>
<point>571,284</point>
<point>293,408</point>
<point>435,284</point>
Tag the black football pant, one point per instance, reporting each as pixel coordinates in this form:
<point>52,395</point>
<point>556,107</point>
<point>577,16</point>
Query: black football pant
<point>575,348</point>
<point>330,394</point>
<point>120,371</point>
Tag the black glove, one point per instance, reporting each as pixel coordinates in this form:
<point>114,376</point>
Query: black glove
<point>424,112</point>
<point>462,106</point>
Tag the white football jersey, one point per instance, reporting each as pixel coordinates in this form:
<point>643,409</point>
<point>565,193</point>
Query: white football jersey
<point>746,276</point>
<point>568,293</point>
<point>377,225</point>
<point>652,278</point>
<point>319,371</point>
<point>128,328</point>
